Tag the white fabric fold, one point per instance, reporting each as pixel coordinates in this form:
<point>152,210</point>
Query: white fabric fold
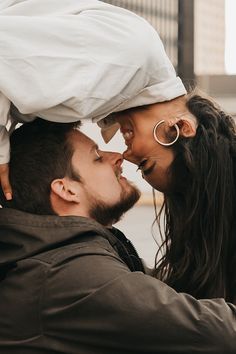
<point>69,60</point>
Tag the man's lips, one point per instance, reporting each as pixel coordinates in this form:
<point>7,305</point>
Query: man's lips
<point>118,173</point>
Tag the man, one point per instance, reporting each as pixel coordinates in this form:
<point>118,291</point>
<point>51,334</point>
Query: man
<point>70,283</point>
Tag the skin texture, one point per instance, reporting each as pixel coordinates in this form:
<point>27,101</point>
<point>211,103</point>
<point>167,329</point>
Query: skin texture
<point>100,179</point>
<point>137,126</point>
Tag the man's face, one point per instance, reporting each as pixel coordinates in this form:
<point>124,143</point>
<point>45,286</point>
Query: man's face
<point>106,193</point>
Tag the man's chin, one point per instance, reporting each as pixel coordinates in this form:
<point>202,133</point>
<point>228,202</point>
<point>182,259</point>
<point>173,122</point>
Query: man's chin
<point>110,214</point>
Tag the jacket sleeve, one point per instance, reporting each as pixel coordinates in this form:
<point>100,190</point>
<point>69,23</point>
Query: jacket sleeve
<point>97,302</point>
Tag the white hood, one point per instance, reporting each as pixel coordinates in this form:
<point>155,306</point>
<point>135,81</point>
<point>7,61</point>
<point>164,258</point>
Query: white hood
<point>66,60</point>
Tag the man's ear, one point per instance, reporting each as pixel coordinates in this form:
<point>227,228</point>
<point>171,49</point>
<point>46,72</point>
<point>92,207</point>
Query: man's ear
<point>187,126</point>
<point>65,189</point>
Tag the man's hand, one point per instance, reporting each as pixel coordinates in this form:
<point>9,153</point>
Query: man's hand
<point>4,181</point>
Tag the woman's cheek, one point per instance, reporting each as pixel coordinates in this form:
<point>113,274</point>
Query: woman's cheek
<point>141,148</point>
<point>152,181</point>
<point>159,180</point>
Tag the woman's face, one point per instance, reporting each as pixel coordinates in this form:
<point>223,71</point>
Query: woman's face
<point>152,158</point>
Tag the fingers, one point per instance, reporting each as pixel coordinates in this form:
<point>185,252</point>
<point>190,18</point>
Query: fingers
<point>4,181</point>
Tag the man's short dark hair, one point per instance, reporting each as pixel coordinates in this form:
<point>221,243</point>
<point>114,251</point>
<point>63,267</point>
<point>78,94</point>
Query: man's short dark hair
<point>40,153</point>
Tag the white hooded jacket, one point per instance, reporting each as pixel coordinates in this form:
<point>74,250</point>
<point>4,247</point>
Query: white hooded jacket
<point>68,60</point>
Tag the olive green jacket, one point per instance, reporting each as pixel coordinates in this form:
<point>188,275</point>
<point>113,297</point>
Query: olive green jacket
<point>69,285</point>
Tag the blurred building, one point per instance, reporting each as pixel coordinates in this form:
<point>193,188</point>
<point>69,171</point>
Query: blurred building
<point>209,37</point>
<point>193,33</point>
<point>209,53</point>
<point>222,88</point>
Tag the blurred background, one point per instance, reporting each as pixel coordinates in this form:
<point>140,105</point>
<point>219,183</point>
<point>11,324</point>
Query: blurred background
<point>199,38</point>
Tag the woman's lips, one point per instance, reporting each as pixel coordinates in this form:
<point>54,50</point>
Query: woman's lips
<point>128,135</point>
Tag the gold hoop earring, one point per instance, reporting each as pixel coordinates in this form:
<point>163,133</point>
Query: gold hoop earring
<point>160,142</point>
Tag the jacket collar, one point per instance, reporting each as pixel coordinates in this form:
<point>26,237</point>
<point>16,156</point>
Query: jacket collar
<point>23,235</point>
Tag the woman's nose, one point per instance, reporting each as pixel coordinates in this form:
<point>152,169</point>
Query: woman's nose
<point>128,155</point>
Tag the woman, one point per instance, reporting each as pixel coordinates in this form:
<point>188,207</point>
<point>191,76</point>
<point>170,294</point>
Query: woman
<point>186,148</point>
<point>75,60</point>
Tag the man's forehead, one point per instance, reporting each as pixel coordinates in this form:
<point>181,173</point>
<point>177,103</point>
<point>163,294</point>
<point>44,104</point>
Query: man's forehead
<point>81,141</point>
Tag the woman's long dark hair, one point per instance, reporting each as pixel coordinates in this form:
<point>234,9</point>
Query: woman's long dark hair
<point>200,219</point>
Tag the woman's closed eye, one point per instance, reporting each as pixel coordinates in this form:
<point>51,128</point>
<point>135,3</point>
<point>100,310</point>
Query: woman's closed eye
<point>145,167</point>
<point>142,164</point>
<point>148,170</point>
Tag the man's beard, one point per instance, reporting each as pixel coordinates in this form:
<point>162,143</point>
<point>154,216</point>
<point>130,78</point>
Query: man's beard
<point>107,214</point>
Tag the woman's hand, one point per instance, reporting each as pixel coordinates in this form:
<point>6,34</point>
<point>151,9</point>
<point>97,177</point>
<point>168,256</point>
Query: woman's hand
<point>4,181</point>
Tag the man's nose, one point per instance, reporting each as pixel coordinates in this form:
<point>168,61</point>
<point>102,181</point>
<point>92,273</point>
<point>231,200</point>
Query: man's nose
<point>115,158</point>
